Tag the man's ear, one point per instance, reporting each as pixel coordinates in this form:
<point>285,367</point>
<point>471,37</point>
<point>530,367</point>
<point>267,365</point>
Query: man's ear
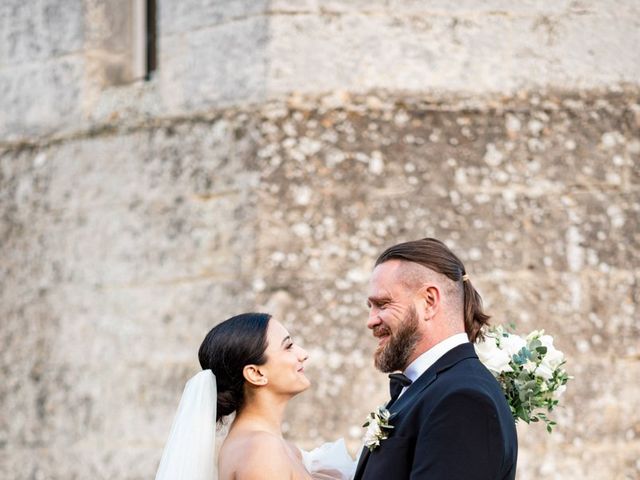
<point>430,295</point>
<point>254,375</point>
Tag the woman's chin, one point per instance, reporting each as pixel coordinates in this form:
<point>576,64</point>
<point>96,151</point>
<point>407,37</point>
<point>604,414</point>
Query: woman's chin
<point>305,384</point>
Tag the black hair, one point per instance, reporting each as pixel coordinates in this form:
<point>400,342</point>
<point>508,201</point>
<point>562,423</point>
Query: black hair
<point>227,349</point>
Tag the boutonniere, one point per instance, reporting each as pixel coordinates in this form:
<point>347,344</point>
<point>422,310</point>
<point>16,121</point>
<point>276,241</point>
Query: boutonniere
<point>378,428</point>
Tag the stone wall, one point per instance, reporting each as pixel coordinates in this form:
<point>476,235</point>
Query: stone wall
<point>56,55</point>
<point>135,217</point>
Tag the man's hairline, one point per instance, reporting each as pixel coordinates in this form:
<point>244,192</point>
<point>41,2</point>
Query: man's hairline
<point>401,271</point>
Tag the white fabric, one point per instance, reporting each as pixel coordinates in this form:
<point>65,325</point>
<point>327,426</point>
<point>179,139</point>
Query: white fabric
<point>330,460</point>
<point>189,453</point>
<point>431,356</point>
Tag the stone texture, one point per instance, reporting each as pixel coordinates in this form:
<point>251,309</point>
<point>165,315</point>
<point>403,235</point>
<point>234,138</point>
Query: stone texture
<point>237,52</point>
<point>111,266</point>
<point>36,99</point>
<point>116,36</point>
<point>279,148</point>
<point>121,248</point>
<point>501,186</point>
<point>224,63</point>
<point>39,30</point>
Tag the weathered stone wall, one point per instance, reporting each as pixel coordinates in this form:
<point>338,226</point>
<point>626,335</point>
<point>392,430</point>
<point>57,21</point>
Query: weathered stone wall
<point>55,55</point>
<point>539,196</point>
<point>133,218</point>
<point>122,248</point>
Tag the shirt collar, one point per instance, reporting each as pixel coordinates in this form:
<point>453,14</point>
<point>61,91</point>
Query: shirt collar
<point>431,356</point>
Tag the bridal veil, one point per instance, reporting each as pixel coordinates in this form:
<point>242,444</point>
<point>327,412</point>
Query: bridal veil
<point>189,453</point>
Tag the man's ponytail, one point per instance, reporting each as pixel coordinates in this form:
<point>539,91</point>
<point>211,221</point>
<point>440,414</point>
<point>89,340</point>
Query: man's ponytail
<point>474,317</point>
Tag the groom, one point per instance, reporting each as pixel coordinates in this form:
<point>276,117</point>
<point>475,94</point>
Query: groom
<point>450,418</point>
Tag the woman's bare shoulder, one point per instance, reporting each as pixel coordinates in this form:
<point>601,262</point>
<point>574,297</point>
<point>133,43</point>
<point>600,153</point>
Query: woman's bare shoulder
<point>256,455</point>
<point>254,440</point>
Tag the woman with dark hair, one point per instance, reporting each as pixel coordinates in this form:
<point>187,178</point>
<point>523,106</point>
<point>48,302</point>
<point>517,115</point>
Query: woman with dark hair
<point>257,369</point>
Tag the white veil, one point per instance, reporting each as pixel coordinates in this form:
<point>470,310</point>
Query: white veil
<point>189,453</point>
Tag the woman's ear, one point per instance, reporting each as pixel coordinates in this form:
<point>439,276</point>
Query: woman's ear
<point>254,376</point>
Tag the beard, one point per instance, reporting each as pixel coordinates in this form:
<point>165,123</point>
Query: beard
<point>394,355</point>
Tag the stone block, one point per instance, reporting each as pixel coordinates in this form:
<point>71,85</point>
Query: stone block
<point>483,8</point>
<point>178,18</point>
<point>595,59</point>
<point>39,31</point>
<point>213,66</point>
<point>38,98</point>
<point>116,42</point>
<point>417,7</point>
<point>357,52</point>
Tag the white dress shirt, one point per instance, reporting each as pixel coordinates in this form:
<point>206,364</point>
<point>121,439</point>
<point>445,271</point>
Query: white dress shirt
<point>431,356</point>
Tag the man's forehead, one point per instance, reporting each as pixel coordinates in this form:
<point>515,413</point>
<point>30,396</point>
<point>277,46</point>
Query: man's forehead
<point>384,276</point>
<point>387,268</point>
<point>394,272</point>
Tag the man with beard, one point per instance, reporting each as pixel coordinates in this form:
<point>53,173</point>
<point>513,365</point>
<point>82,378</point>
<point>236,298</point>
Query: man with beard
<point>449,416</point>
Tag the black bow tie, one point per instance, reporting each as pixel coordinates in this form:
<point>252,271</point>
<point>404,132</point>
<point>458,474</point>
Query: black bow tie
<point>397,381</point>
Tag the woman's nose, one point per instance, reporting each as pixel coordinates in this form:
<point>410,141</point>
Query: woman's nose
<point>303,355</point>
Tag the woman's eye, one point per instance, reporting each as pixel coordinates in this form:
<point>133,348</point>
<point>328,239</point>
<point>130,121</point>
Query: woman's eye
<point>288,347</point>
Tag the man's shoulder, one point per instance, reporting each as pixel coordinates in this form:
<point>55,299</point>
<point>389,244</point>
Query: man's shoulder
<point>467,376</point>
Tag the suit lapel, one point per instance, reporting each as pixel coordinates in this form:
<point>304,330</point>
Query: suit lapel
<point>364,456</point>
<point>445,362</point>
<point>448,360</point>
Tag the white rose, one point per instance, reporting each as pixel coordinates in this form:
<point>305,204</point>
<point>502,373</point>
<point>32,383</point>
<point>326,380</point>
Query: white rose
<point>543,371</point>
<point>492,357</point>
<point>553,358</point>
<point>512,344</point>
<point>372,434</point>
<point>559,391</point>
<point>529,366</point>
<point>546,340</point>
<point>534,334</point>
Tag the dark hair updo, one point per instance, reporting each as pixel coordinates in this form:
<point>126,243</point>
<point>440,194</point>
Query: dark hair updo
<point>227,349</point>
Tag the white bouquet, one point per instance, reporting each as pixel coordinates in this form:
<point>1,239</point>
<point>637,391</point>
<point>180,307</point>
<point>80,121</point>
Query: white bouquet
<point>529,371</point>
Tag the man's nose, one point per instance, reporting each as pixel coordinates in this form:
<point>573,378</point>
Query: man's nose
<point>374,319</point>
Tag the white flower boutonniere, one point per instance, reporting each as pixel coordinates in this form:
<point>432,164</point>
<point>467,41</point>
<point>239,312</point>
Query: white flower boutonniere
<point>378,428</point>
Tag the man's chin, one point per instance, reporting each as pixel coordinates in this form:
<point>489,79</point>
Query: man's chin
<point>380,363</point>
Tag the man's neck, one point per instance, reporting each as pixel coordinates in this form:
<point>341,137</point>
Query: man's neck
<point>430,341</point>
<point>427,358</point>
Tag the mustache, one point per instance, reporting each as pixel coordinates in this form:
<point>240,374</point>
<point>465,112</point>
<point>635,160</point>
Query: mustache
<point>381,331</point>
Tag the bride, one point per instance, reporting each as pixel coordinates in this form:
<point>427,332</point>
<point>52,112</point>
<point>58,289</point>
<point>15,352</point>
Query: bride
<point>257,368</point>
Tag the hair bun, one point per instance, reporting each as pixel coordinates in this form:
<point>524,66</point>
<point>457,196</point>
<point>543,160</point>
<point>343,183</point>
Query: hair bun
<point>228,402</point>
<point>227,349</point>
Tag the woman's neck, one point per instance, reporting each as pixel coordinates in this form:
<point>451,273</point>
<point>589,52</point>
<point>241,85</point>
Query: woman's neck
<point>264,413</point>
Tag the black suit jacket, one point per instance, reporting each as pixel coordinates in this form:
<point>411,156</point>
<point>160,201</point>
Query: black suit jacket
<point>452,423</point>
